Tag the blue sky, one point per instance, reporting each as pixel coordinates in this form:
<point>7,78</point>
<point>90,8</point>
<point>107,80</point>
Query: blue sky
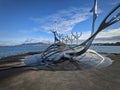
<point>31,20</point>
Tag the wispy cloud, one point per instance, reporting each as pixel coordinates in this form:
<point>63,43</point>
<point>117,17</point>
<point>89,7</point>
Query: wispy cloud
<point>109,36</point>
<point>39,39</point>
<point>63,21</point>
<point>109,33</point>
<point>112,35</point>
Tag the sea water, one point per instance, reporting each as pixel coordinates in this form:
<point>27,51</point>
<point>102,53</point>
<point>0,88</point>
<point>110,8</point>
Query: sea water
<point>21,49</point>
<point>106,49</point>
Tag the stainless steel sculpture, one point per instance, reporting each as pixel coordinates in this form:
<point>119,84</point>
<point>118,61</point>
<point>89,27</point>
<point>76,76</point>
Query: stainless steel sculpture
<point>60,51</point>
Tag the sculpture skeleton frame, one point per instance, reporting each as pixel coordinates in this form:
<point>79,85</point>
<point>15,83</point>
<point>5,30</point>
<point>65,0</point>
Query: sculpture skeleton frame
<point>64,51</point>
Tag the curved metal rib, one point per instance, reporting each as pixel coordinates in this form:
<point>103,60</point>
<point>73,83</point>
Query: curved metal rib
<point>102,26</point>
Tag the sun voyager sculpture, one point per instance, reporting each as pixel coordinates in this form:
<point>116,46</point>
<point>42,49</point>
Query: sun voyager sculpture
<point>80,54</point>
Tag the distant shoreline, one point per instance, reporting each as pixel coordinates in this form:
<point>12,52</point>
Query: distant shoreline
<point>46,44</point>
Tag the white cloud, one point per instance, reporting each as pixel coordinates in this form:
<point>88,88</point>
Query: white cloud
<point>63,21</point>
<point>112,35</point>
<point>109,33</point>
<point>39,39</point>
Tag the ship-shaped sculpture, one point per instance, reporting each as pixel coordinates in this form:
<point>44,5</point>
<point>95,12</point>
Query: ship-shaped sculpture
<point>60,51</point>
<point>80,54</point>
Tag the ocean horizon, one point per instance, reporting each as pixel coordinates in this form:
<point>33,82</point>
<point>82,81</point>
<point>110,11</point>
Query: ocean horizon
<point>22,49</point>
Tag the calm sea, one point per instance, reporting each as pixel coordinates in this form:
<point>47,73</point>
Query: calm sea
<point>21,49</point>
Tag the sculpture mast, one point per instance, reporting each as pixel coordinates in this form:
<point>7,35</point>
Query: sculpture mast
<point>94,10</point>
<point>55,34</point>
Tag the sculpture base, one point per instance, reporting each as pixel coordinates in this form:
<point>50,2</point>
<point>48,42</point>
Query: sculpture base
<point>90,59</point>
